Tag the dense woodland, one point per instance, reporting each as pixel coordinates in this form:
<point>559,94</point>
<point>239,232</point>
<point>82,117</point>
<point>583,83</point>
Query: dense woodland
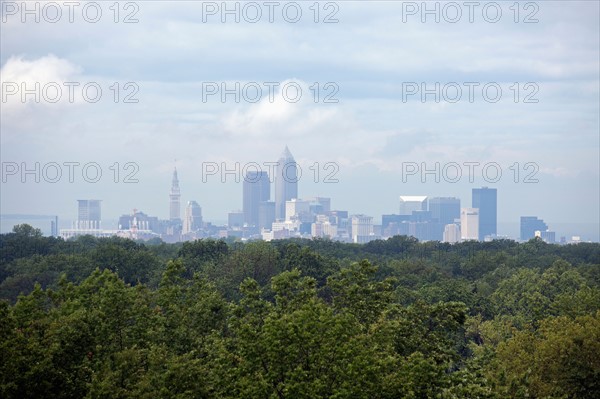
<point>114,318</point>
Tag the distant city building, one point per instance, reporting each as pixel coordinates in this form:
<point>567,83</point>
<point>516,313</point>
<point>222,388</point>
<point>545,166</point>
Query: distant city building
<point>451,233</point>
<point>361,228</point>
<point>411,203</point>
<point>266,215</point>
<point>444,209</point>
<point>286,182</point>
<point>90,209</point>
<point>256,189</point>
<point>391,224</point>
<point>89,214</point>
<point>469,224</point>
<point>546,236</point>
<point>269,235</point>
<point>235,219</point>
<point>54,227</point>
<point>529,225</point>
<point>175,198</point>
<point>386,220</point>
<point>320,205</point>
<point>323,229</point>
<point>296,209</point>
<point>142,221</point>
<point>420,216</point>
<point>192,220</point>
<point>485,199</point>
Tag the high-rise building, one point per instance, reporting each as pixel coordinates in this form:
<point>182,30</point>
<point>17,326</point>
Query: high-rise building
<point>142,221</point>
<point>235,219</point>
<point>531,224</point>
<point>411,203</point>
<point>266,215</point>
<point>193,217</point>
<point>451,233</point>
<point>322,204</point>
<point>469,224</point>
<point>485,199</point>
<point>257,189</point>
<point>361,228</point>
<point>297,209</point>
<point>547,236</point>
<point>89,214</point>
<point>286,182</point>
<point>444,209</point>
<point>323,228</point>
<point>54,227</point>
<point>175,198</point>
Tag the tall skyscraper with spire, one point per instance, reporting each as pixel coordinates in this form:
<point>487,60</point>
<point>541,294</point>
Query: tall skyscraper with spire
<point>175,196</point>
<point>286,182</point>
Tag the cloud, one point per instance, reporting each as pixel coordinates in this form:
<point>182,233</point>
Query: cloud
<point>43,77</point>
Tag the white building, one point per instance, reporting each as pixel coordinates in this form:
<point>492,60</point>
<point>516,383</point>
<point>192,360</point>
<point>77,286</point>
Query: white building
<point>361,228</point>
<point>192,220</point>
<point>451,233</point>
<point>469,223</point>
<point>323,229</point>
<point>297,209</point>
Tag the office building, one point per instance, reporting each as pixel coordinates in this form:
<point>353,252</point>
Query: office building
<point>529,225</point>
<point>451,233</point>
<point>485,199</point>
<point>469,224</point>
<point>89,214</point>
<point>235,219</point>
<point>54,227</point>
<point>256,189</point>
<point>296,209</point>
<point>444,209</point>
<point>361,227</point>
<point>323,228</point>
<point>266,215</point>
<point>286,182</point>
<point>141,221</point>
<point>193,217</point>
<point>320,205</point>
<point>411,203</point>
<point>546,236</point>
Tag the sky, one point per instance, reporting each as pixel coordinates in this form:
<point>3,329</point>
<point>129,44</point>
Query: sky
<point>512,90</point>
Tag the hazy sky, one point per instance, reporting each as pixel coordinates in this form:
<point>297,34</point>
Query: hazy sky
<point>372,58</point>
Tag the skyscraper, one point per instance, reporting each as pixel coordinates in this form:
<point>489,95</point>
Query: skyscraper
<point>257,189</point>
<point>469,224</point>
<point>193,217</point>
<point>266,215</point>
<point>410,203</point>
<point>444,209</point>
<point>451,233</point>
<point>286,182</point>
<point>175,196</point>
<point>89,215</point>
<point>531,224</point>
<point>296,209</point>
<point>362,228</point>
<point>485,199</point>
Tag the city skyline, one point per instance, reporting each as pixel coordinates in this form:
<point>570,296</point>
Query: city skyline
<point>368,137</point>
<point>416,213</point>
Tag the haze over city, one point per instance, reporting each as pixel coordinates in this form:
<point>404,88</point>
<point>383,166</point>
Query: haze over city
<point>299,199</point>
<point>373,55</point>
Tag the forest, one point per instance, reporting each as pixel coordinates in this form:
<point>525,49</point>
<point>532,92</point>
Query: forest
<point>396,318</point>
